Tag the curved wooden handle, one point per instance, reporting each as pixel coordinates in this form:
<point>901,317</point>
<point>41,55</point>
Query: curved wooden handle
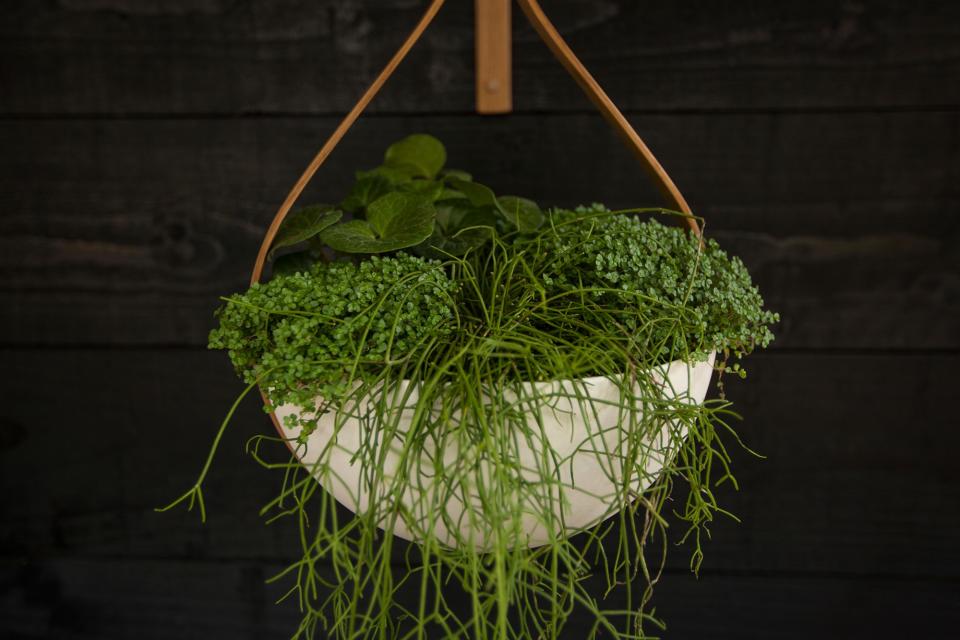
<point>338,134</point>
<point>563,53</point>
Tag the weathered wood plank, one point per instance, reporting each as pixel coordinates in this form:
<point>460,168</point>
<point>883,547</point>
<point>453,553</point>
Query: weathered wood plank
<point>125,232</point>
<point>68,598</point>
<point>849,487</point>
<point>213,56</point>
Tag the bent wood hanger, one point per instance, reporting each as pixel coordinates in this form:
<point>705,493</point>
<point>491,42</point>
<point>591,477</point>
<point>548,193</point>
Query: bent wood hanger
<point>493,62</point>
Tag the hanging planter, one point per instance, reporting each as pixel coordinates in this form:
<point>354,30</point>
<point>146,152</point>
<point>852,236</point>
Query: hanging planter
<point>576,421</point>
<point>514,390</point>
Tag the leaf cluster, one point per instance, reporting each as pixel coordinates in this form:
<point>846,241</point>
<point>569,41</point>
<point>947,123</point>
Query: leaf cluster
<point>315,333</point>
<point>409,202</point>
<point>654,290</point>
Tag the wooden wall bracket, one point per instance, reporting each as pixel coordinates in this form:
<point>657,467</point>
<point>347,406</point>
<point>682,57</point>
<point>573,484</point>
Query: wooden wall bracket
<point>494,44</point>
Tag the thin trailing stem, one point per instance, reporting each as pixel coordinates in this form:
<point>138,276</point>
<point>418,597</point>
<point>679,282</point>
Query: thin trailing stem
<point>194,495</point>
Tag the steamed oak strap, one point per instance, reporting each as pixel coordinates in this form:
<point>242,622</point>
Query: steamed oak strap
<point>570,62</point>
<point>338,134</point>
<point>560,50</point>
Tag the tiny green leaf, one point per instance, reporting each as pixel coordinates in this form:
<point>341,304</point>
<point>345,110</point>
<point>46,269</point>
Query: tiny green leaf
<point>302,225</point>
<point>524,214</point>
<point>421,152</point>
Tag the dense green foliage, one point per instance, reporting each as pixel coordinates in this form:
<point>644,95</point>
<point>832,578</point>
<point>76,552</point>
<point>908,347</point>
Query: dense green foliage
<point>648,270</point>
<point>316,332</point>
<point>438,378</point>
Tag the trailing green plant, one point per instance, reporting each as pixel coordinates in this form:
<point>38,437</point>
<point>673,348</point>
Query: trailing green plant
<point>446,373</point>
<point>643,267</point>
<point>314,333</point>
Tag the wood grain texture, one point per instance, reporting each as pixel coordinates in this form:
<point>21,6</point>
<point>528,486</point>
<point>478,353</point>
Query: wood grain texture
<point>147,143</point>
<point>493,38</point>
<point>125,232</point>
<point>256,56</point>
<point>850,490</point>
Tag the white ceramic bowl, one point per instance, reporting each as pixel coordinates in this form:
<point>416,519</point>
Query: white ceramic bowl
<point>583,438</point>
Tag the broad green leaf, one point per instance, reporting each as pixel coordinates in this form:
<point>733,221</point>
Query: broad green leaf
<point>524,214</point>
<point>457,174</point>
<point>520,212</point>
<point>394,221</point>
<point>368,187</point>
<point>479,195</point>
<point>450,194</point>
<point>353,236</point>
<point>440,246</point>
<point>396,176</point>
<point>299,262</point>
<point>460,227</point>
<point>302,225</point>
<point>421,152</point>
<point>473,230</point>
<point>451,212</point>
<point>429,189</point>
<point>356,236</point>
<point>397,213</point>
<point>478,218</point>
<point>453,215</point>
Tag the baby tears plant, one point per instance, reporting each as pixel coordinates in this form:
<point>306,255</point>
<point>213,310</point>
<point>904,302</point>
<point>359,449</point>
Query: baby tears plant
<point>433,335</point>
<point>315,333</point>
<point>644,266</point>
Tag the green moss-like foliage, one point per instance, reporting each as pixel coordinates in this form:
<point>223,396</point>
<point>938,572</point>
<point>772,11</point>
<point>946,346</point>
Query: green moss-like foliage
<point>648,271</point>
<point>318,332</point>
<point>314,333</point>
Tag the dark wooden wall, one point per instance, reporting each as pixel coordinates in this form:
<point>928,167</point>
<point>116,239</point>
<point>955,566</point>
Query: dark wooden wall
<point>145,144</point>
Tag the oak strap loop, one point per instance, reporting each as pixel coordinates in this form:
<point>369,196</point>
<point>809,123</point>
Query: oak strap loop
<point>338,134</point>
<point>613,115</point>
<point>560,50</point>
